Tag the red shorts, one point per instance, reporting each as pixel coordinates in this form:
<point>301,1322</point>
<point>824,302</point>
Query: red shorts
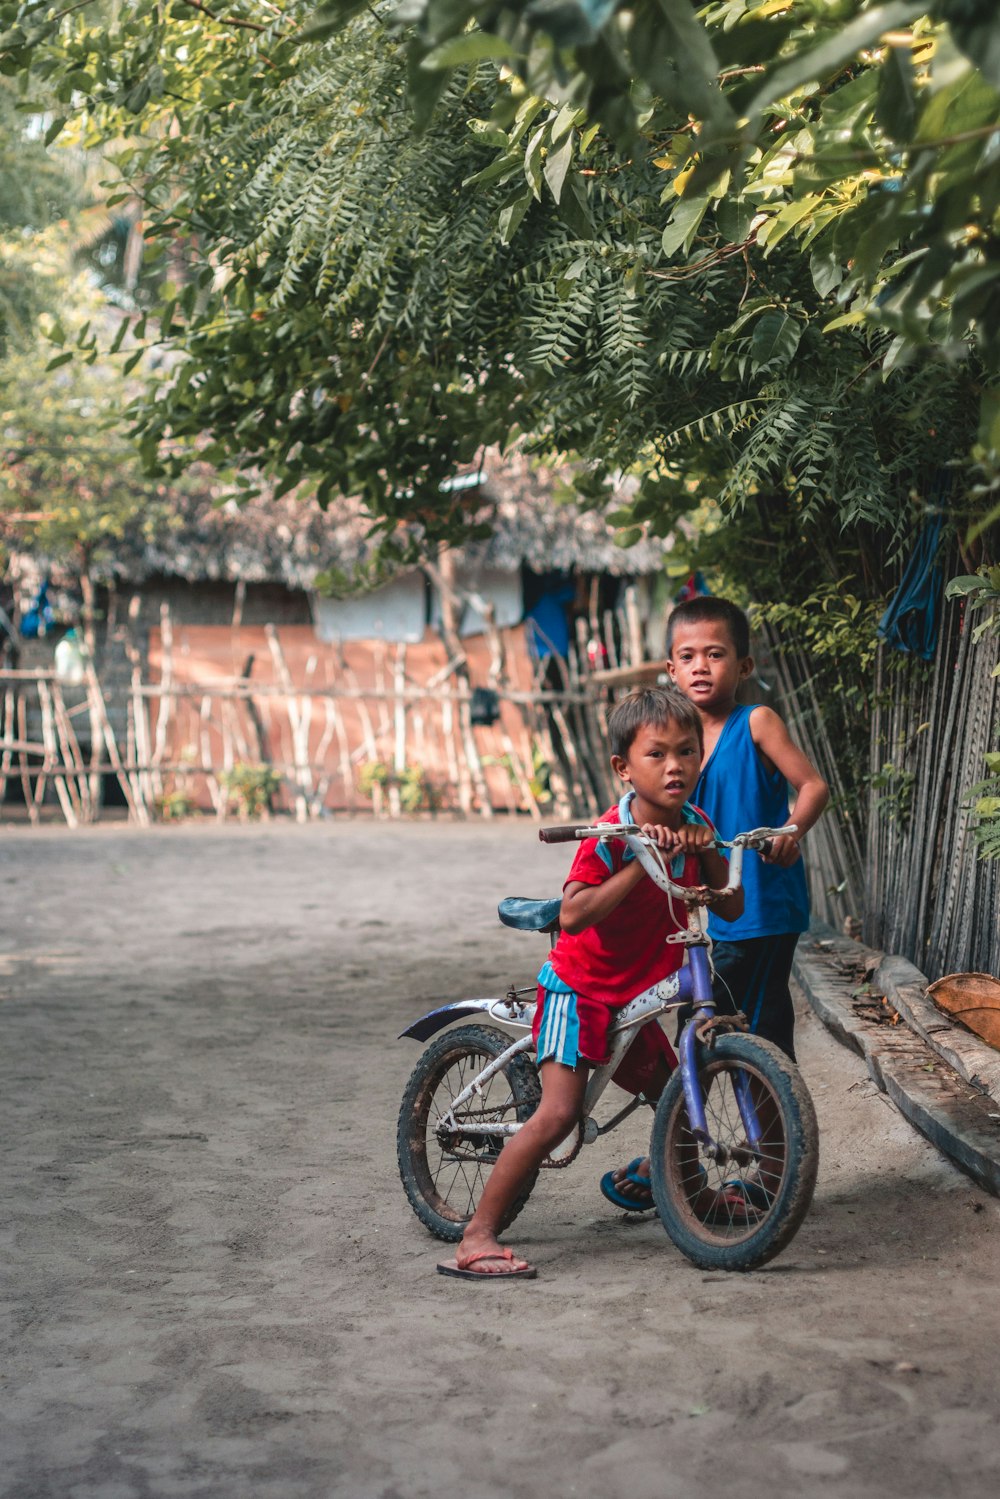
<point>571,1028</point>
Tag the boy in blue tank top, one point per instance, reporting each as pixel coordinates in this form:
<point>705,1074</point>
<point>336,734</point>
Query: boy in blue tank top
<point>749,763</point>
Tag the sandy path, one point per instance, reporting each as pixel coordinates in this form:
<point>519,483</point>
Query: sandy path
<point>215,1287</point>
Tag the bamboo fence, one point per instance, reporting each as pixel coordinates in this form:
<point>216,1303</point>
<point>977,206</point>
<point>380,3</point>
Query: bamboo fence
<point>902,869</point>
<point>310,745</point>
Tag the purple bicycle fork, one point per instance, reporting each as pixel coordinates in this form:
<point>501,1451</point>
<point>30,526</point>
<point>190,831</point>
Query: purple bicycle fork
<point>696,987</point>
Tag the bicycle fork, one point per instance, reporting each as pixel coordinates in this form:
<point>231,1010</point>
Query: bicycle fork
<point>699,978</point>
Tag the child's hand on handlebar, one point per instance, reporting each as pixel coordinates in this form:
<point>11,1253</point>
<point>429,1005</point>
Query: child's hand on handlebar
<point>689,838</point>
<point>783,851</point>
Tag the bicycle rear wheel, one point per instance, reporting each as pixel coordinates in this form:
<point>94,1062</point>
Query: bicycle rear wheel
<point>444,1171</point>
<point>738,1212</point>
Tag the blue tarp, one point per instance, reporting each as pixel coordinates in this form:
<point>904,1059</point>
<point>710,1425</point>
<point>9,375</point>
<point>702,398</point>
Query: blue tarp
<point>913,618</point>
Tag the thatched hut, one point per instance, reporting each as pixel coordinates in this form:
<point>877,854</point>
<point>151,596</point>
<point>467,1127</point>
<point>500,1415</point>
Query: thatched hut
<point>236,600</point>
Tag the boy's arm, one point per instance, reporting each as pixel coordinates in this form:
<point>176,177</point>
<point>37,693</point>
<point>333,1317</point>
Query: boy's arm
<point>716,873</point>
<point>811,791</point>
<point>585,905</point>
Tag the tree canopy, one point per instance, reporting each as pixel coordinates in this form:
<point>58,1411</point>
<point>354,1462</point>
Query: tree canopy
<point>703,242</point>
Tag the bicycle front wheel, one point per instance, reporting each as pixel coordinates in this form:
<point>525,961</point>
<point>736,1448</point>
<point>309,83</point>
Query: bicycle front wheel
<point>444,1170</point>
<point>739,1210</point>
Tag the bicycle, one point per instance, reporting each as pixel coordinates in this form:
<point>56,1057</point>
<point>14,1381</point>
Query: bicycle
<point>734,1142</point>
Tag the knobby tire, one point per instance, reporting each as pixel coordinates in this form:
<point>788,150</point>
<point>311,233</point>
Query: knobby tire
<point>444,1181</point>
<point>694,1195</point>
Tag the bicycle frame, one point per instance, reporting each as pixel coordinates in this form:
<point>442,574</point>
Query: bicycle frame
<point>690,985</point>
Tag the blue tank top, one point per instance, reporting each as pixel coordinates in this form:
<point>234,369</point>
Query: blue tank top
<point>739,793</point>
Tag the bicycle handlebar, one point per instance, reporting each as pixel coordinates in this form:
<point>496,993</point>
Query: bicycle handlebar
<point>569,832</point>
<point>572,832</point>
<point>650,856</point>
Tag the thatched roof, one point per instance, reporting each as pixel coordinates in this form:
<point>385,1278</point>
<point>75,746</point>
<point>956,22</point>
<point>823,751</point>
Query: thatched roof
<point>288,541</point>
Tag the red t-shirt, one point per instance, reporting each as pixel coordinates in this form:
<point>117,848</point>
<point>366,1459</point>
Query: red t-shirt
<point>625,953</point>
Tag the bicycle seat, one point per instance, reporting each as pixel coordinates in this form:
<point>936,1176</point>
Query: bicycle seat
<point>527,915</point>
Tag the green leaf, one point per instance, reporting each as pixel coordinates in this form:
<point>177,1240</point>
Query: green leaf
<point>734,216</point>
<point>979,38</point>
<point>850,319</point>
<point>989,420</point>
<point>533,161</point>
<point>58,359</point>
<point>557,165</point>
<point>826,271</point>
<point>512,213</point>
<point>896,107</point>
<point>471,46</point>
<point>960,588</point>
<point>683,225</point>
<point>55,128</point>
<point>815,64</point>
<point>326,24</point>
<point>966,103</point>
<point>574,207</point>
<point>498,169</point>
<point>775,339</point>
<point>424,86</point>
<point>119,337</point>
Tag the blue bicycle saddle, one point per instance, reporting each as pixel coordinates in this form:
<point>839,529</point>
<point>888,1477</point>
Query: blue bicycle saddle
<point>528,915</point>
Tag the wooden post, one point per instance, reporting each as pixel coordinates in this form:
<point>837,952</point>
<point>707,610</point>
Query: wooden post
<point>166,705</point>
<point>299,754</point>
<point>143,782</point>
<point>399,717</point>
<point>444,576</point>
<point>51,761</point>
<point>71,752</point>
<point>99,713</point>
<point>217,792</point>
<point>9,733</point>
<point>367,730</point>
<point>634,624</point>
<point>22,759</point>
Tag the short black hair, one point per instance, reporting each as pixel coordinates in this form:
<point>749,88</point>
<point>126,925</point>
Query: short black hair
<point>650,705</point>
<point>697,611</point>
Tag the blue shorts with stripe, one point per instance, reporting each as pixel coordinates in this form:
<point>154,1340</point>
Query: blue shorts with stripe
<point>569,1027</point>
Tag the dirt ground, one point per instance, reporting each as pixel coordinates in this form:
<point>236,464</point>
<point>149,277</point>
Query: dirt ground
<point>215,1286</point>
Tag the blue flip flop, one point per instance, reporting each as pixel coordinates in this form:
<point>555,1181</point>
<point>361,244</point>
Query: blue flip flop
<point>754,1193</point>
<point>641,1203</point>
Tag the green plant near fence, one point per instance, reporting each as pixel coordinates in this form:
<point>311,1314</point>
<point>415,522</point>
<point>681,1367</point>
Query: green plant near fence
<point>416,791</point>
<point>251,787</point>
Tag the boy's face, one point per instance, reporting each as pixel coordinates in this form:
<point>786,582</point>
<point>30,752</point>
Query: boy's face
<point>662,765</point>
<point>704,663</point>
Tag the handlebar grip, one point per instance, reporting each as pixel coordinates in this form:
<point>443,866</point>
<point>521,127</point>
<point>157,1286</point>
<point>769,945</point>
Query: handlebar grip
<point>568,832</point>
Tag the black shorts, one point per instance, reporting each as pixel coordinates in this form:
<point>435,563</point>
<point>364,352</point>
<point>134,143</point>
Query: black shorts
<point>752,976</point>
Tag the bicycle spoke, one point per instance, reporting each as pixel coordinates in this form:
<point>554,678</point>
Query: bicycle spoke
<point>453,1149</point>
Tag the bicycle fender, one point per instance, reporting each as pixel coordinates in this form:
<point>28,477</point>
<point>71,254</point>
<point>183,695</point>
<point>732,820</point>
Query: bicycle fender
<point>429,1024</point>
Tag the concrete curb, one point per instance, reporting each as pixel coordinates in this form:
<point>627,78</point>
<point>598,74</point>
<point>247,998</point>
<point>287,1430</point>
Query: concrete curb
<point>946,1084</point>
<point>906,988</point>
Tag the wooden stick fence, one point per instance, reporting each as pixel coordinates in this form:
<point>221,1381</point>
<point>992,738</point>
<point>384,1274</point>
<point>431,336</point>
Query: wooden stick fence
<point>364,746</point>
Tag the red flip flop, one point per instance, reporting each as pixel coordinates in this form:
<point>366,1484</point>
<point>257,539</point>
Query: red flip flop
<point>465,1272</point>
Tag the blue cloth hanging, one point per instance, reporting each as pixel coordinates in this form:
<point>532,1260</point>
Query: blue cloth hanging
<point>913,618</point>
<point>39,618</point>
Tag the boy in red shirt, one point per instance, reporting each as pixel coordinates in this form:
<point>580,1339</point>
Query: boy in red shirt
<point>611,947</point>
